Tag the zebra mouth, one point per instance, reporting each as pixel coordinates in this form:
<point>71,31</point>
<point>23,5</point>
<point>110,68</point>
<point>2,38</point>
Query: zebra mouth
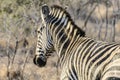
<point>40,60</point>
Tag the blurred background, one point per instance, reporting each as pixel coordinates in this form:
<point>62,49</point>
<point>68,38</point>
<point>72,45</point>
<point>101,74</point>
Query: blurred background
<point>19,20</point>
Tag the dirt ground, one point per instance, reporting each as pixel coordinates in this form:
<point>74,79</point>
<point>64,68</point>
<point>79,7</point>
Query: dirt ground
<point>23,66</point>
<point>21,19</point>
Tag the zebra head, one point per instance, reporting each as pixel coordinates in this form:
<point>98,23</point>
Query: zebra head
<point>44,46</point>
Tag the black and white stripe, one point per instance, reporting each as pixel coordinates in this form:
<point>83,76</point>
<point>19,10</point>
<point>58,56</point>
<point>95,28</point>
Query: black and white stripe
<point>44,46</point>
<point>80,57</point>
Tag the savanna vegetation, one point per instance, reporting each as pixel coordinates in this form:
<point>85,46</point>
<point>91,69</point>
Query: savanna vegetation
<point>19,20</point>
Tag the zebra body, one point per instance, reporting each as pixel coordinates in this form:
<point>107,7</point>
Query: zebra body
<point>80,57</point>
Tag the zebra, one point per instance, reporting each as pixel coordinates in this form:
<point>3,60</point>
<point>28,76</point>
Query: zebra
<point>80,57</point>
<point>40,58</point>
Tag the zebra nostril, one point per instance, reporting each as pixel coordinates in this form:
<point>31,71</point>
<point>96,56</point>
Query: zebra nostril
<point>43,58</point>
<point>40,60</point>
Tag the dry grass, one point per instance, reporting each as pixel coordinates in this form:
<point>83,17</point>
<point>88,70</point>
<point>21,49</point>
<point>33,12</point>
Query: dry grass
<point>3,71</point>
<point>3,43</point>
<point>101,10</point>
<point>117,27</point>
<point>30,72</point>
<point>21,70</point>
<point>27,42</point>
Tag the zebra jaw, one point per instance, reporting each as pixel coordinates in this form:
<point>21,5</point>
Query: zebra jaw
<point>40,60</point>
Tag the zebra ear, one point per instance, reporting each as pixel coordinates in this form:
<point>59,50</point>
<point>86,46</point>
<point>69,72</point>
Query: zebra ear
<point>45,10</point>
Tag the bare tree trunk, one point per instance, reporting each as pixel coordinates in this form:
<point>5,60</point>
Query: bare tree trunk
<point>106,27</point>
<point>118,4</point>
<point>100,24</point>
<point>87,18</point>
<point>100,29</point>
<point>113,29</point>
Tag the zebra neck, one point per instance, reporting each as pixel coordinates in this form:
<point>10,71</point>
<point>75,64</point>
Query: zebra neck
<point>63,36</point>
<point>63,31</point>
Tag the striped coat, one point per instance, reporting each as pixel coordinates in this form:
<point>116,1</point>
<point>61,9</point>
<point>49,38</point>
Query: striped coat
<point>80,57</point>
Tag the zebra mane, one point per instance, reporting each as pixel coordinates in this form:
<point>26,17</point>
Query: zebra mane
<point>81,32</point>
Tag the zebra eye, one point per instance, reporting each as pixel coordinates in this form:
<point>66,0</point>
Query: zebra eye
<point>41,29</point>
<point>38,31</point>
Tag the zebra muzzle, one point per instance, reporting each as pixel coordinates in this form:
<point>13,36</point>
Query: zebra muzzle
<point>40,60</point>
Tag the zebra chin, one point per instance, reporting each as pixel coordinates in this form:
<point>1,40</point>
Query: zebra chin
<point>40,60</point>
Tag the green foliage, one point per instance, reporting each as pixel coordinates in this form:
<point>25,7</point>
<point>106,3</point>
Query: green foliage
<point>22,2</point>
<point>0,10</point>
<point>27,31</point>
<point>7,9</point>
